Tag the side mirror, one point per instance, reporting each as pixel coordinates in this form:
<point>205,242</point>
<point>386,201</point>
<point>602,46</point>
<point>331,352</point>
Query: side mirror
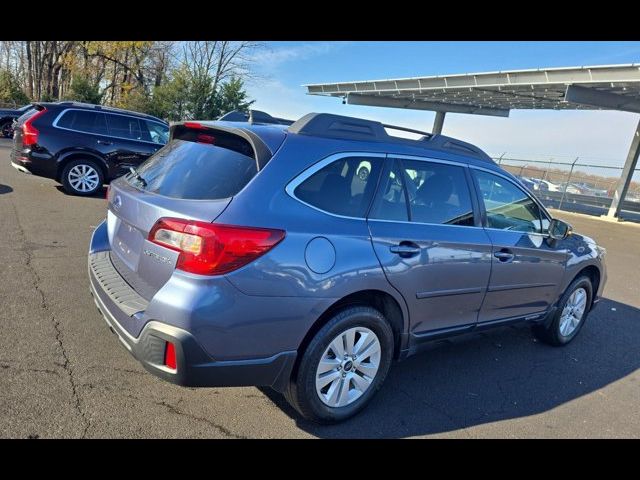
<point>559,230</point>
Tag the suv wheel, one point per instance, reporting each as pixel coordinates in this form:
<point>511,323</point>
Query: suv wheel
<point>5,129</point>
<point>571,314</point>
<point>343,366</point>
<point>82,177</point>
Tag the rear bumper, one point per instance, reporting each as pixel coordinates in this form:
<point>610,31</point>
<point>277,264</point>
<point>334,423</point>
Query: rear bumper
<point>20,168</point>
<point>195,368</point>
<point>42,165</point>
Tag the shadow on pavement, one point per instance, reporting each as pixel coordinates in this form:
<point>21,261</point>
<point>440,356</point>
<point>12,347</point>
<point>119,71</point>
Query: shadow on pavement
<point>5,189</point>
<point>493,376</point>
<point>99,195</point>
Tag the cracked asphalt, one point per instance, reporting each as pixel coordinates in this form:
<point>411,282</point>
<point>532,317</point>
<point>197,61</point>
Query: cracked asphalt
<point>63,374</point>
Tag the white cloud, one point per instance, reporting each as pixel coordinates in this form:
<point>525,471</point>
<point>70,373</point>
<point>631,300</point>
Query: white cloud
<point>271,58</point>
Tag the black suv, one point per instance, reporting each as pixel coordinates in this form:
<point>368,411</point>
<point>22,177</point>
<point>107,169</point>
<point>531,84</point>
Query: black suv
<point>84,146</point>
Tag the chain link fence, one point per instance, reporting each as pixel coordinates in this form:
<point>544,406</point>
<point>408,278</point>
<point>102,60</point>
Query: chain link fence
<point>574,185</point>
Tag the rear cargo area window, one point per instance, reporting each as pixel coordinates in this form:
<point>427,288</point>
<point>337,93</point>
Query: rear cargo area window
<point>195,171</point>
<point>84,121</point>
<point>344,187</point>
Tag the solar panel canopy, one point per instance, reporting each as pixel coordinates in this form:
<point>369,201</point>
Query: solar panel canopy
<point>603,87</point>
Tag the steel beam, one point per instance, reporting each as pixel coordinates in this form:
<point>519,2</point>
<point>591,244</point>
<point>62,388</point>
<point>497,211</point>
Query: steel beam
<point>438,122</point>
<point>627,174</point>
<point>604,100</point>
<point>416,104</point>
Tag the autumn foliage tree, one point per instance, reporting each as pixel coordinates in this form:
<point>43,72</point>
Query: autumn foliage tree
<point>173,80</point>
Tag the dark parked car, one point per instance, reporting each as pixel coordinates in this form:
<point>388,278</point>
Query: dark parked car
<point>84,146</point>
<point>255,254</point>
<point>7,116</point>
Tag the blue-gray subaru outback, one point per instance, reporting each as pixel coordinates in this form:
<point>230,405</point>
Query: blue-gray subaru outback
<point>306,257</point>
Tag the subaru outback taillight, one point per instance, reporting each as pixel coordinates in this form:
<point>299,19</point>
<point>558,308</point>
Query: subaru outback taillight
<point>29,132</point>
<point>213,249</point>
<point>170,356</point>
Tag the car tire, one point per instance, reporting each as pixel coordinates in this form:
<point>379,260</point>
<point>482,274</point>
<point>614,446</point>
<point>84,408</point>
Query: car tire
<point>6,130</point>
<point>352,327</point>
<point>75,184</point>
<point>555,330</point>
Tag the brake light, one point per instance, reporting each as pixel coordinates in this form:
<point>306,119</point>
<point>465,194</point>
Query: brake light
<point>204,138</point>
<point>29,132</point>
<point>170,356</point>
<point>196,125</point>
<point>213,249</point>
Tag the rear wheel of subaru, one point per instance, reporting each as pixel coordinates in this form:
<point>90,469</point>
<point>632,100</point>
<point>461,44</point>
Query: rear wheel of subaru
<point>343,366</point>
<point>5,129</point>
<point>570,316</point>
<point>82,177</point>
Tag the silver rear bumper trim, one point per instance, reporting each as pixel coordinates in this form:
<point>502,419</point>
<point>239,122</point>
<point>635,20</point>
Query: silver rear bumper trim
<point>20,168</point>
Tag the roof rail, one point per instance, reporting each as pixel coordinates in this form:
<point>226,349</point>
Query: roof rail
<point>350,128</point>
<point>106,108</point>
<point>405,129</point>
<point>253,117</point>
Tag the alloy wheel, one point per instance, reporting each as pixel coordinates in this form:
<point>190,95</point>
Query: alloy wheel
<point>84,178</point>
<point>348,367</point>
<point>573,312</point>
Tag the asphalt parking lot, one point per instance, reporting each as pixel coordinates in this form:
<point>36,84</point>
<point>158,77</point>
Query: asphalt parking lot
<point>63,374</point>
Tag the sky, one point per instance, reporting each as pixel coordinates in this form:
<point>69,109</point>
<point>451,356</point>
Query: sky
<point>601,137</point>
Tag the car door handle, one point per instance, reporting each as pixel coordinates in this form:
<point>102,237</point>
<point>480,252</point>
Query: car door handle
<point>405,249</point>
<point>504,255</point>
<point>105,142</point>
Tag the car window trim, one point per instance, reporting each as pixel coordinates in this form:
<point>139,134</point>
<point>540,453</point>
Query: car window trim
<point>402,171</point>
<point>383,180</point>
<point>465,166</point>
<point>309,171</point>
<point>55,124</point>
<point>541,207</point>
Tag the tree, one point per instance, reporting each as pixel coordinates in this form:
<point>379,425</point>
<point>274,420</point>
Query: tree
<point>231,96</point>
<point>173,80</point>
<point>44,66</point>
<point>10,91</point>
<point>208,64</point>
<point>84,90</point>
<point>173,99</point>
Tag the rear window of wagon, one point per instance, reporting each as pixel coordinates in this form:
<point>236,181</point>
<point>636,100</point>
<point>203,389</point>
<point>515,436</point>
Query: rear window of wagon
<point>195,171</point>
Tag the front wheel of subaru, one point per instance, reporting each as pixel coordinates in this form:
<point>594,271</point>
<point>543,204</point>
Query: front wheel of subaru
<point>343,366</point>
<point>570,316</point>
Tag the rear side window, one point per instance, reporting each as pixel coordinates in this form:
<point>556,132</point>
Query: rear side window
<point>436,193</point>
<point>196,171</point>
<point>158,133</point>
<point>344,187</point>
<point>83,121</point>
<point>126,127</point>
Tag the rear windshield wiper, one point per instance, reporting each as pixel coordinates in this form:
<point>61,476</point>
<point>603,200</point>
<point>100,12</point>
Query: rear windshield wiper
<point>137,176</point>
